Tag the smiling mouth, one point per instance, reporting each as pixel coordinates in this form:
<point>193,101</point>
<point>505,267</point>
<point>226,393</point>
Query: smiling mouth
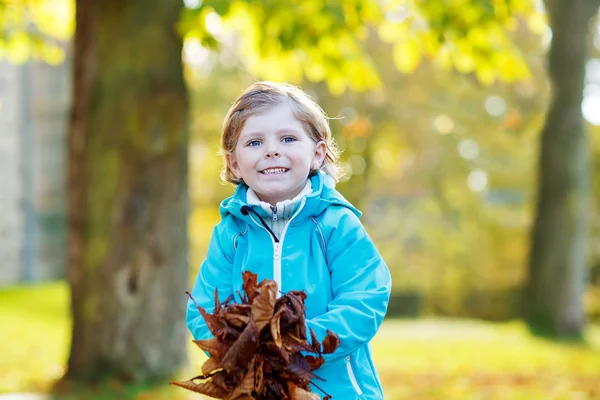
<point>269,171</point>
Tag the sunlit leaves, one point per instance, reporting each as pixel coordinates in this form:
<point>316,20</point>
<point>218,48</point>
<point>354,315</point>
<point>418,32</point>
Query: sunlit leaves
<point>329,41</point>
<point>407,54</point>
<point>35,28</point>
<point>475,37</point>
<point>290,40</point>
<point>287,41</point>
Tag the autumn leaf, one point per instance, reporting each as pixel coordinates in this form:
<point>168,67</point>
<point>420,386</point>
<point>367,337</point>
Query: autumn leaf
<point>211,365</point>
<point>297,393</point>
<point>249,286</point>
<point>213,346</point>
<point>314,362</point>
<point>275,327</point>
<point>236,320</point>
<point>263,305</point>
<point>246,386</point>
<point>208,388</point>
<point>330,343</point>
<point>214,323</point>
<point>242,350</point>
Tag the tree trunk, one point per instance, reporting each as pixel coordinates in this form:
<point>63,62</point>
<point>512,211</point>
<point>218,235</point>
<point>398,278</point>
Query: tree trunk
<point>553,296</point>
<point>127,192</point>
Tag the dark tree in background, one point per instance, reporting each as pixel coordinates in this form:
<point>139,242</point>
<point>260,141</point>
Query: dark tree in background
<point>127,191</point>
<point>553,295</point>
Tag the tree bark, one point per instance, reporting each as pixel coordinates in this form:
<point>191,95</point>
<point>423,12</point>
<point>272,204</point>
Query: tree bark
<point>553,295</point>
<point>127,192</point>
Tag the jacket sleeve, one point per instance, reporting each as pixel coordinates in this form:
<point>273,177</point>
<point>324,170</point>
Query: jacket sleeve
<point>361,285</point>
<point>215,273</point>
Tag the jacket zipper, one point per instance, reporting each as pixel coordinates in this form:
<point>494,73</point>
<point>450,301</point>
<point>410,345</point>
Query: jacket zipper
<point>352,376</point>
<point>277,245</point>
<point>274,209</point>
<point>277,249</point>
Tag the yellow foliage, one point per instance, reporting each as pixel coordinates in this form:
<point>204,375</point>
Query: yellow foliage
<point>336,84</point>
<point>52,54</point>
<point>463,56</point>
<point>315,70</point>
<point>407,54</point>
<point>537,23</point>
<point>328,45</point>
<point>485,74</point>
<point>362,75</point>
<point>479,38</point>
<point>18,47</point>
<point>54,17</point>
<point>511,24</point>
<point>511,67</point>
<point>50,18</point>
<point>443,58</point>
<point>431,44</point>
<point>390,32</point>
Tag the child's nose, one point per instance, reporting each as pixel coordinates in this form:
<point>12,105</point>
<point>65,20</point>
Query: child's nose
<point>269,154</point>
<point>271,150</point>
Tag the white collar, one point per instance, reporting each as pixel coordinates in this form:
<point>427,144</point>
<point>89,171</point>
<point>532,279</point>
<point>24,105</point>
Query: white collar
<point>283,207</point>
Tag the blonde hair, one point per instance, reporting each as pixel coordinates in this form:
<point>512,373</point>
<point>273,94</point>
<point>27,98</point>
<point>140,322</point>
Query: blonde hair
<point>260,97</point>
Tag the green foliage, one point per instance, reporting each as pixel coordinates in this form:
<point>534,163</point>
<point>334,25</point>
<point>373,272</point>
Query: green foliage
<point>422,359</point>
<point>330,41</point>
<point>35,29</point>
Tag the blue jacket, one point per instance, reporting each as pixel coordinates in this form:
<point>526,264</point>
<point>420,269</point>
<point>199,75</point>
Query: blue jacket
<point>324,251</point>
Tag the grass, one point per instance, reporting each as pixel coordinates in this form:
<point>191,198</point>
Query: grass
<point>422,359</point>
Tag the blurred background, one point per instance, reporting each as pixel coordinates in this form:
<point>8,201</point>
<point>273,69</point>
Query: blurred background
<point>470,133</point>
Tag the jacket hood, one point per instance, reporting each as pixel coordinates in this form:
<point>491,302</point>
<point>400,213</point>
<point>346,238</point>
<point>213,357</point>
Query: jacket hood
<point>323,195</point>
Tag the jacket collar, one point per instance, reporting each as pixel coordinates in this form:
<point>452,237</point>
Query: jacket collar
<point>323,195</point>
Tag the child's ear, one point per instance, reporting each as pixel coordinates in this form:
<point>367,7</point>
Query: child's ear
<point>234,166</point>
<point>319,155</point>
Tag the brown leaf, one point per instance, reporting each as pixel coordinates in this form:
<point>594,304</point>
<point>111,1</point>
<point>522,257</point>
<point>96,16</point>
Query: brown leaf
<point>259,382</point>
<point>314,362</point>
<point>249,285</point>
<point>217,303</point>
<point>246,386</point>
<point>210,365</point>
<point>242,350</point>
<point>214,323</point>
<point>297,393</point>
<point>271,349</point>
<point>262,307</point>
<point>330,343</point>
<point>275,327</point>
<point>208,388</point>
<point>298,369</point>
<point>236,320</point>
<point>240,309</point>
<point>215,347</point>
<point>296,301</point>
<point>292,344</point>
<point>222,380</point>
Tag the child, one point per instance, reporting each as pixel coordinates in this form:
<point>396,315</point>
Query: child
<point>286,222</point>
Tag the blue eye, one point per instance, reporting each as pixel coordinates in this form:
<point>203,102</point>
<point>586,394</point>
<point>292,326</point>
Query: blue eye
<point>288,139</point>
<point>253,143</point>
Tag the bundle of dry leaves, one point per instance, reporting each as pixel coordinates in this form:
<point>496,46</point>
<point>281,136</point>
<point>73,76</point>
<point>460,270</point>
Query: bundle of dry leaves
<point>256,352</point>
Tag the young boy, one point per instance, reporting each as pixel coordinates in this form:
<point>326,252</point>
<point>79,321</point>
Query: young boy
<point>287,222</point>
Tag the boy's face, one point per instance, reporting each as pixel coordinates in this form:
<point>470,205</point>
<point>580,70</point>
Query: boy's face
<point>274,155</point>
